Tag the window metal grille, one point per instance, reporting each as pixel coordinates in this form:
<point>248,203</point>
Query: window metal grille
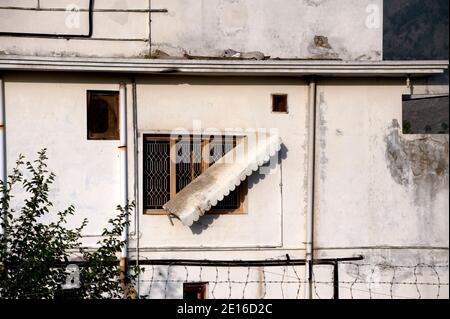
<point>217,150</point>
<point>156,173</point>
<point>189,162</point>
<point>171,164</point>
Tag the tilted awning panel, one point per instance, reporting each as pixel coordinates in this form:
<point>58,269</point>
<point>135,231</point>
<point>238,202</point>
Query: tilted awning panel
<point>223,177</point>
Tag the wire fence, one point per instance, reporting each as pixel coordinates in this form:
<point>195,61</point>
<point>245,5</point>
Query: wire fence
<point>347,278</point>
<point>344,280</point>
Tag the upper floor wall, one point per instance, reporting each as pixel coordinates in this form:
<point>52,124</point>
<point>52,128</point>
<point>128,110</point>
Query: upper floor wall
<point>290,29</point>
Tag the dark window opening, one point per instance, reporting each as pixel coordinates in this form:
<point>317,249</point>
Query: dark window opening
<point>195,291</point>
<point>217,149</point>
<point>279,103</point>
<point>425,114</point>
<point>170,164</point>
<point>102,115</point>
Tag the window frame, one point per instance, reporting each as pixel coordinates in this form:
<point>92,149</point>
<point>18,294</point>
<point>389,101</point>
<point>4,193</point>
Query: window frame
<point>95,136</point>
<point>273,96</point>
<point>242,188</point>
<point>191,287</point>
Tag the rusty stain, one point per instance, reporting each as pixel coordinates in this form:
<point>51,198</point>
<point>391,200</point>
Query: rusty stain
<point>159,54</point>
<point>322,42</point>
<point>420,162</point>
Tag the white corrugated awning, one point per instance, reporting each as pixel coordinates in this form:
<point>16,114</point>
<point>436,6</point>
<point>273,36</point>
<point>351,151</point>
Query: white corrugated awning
<point>223,177</point>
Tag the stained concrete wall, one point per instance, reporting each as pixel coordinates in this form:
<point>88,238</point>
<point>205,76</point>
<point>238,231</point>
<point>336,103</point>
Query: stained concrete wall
<point>49,112</point>
<point>306,29</point>
<point>393,186</point>
<point>271,220</point>
<point>278,29</point>
<point>380,194</point>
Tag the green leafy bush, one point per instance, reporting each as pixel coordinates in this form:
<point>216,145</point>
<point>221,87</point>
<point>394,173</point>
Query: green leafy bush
<point>35,251</point>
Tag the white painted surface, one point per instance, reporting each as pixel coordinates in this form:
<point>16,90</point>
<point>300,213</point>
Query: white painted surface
<point>207,28</point>
<point>48,112</point>
<point>278,29</point>
<point>356,189</point>
<point>166,103</point>
<point>361,207</point>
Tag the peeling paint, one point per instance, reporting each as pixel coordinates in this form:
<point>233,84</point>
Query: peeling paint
<point>323,107</point>
<point>322,41</point>
<point>230,53</point>
<point>421,162</point>
<point>314,3</point>
<point>320,48</point>
<point>373,55</point>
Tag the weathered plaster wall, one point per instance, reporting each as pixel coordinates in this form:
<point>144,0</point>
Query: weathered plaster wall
<point>380,194</point>
<point>372,178</point>
<point>306,29</point>
<point>120,28</point>
<point>272,219</point>
<point>289,29</point>
<point>48,111</point>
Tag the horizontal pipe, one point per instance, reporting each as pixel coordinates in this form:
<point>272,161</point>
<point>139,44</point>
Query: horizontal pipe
<point>46,35</point>
<point>218,263</point>
<point>85,10</point>
<point>63,36</point>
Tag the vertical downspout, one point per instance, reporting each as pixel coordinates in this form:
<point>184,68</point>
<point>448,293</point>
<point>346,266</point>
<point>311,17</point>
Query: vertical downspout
<point>123,175</point>
<point>136,179</point>
<point>311,188</point>
<point>3,175</point>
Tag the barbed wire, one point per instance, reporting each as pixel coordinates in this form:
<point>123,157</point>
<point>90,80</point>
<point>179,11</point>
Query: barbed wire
<point>356,280</point>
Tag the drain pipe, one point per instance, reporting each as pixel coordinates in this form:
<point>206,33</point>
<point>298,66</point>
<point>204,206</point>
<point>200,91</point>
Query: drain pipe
<point>123,176</point>
<point>311,188</point>
<point>136,180</point>
<point>3,176</point>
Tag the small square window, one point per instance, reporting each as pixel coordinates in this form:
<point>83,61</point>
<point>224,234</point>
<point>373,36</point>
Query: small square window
<point>102,115</point>
<point>195,290</point>
<point>279,103</point>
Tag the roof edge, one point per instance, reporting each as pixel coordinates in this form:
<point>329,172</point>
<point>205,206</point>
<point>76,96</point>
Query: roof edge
<point>224,67</point>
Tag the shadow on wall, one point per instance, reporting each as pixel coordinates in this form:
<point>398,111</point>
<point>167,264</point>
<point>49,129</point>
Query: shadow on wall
<point>160,285</point>
<point>275,162</point>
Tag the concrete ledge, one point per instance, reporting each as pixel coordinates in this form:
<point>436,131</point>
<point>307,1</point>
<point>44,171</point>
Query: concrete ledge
<point>224,67</point>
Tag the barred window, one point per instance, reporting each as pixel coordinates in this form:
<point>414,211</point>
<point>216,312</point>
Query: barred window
<point>170,164</point>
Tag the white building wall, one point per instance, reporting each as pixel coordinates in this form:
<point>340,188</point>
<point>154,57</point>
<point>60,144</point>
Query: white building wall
<point>168,103</point>
<point>362,186</point>
<point>284,29</point>
<point>348,29</point>
<point>362,208</point>
<point>48,111</point>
